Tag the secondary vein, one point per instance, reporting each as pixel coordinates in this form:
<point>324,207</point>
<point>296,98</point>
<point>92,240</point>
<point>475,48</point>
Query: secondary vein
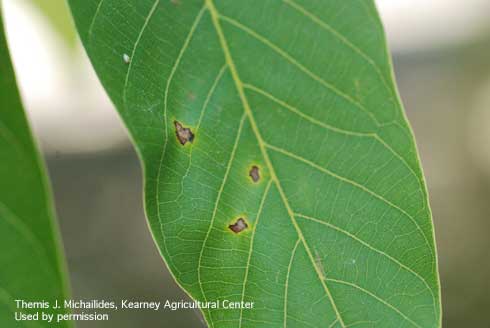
<point>240,89</point>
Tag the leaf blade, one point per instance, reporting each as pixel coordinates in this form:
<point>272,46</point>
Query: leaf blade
<point>334,115</point>
<point>32,260</point>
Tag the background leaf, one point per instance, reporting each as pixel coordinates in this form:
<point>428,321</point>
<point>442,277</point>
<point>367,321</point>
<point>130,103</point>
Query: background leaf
<point>56,11</point>
<point>279,165</point>
<point>31,261</point>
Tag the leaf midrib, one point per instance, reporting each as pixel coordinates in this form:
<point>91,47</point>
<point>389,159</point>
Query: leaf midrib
<point>240,89</point>
<point>240,86</point>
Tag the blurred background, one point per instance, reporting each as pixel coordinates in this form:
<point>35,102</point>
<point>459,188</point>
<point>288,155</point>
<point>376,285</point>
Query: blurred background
<point>441,57</point>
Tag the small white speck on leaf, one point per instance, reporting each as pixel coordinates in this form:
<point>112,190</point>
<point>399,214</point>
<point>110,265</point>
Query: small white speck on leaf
<point>126,58</point>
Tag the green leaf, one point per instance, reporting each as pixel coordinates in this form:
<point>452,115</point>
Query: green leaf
<point>31,259</point>
<point>298,94</point>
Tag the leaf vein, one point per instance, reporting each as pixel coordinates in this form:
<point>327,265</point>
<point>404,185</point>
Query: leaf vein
<point>201,116</point>
<point>355,184</point>
<point>167,88</point>
<point>293,253</point>
<point>92,22</point>
<point>215,210</point>
<point>341,38</point>
<point>379,299</point>
<point>359,240</point>
<point>300,66</point>
<point>259,212</point>
<point>133,52</point>
<point>239,86</point>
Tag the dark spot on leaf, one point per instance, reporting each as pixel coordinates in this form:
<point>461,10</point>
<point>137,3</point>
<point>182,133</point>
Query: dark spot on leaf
<point>175,2</point>
<point>254,173</point>
<point>183,134</point>
<point>238,226</point>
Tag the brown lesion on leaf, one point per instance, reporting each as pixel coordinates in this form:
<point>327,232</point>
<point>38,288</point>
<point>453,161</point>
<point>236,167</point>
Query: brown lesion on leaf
<point>254,173</point>
<point>184,135</point>
<point>238,226</point>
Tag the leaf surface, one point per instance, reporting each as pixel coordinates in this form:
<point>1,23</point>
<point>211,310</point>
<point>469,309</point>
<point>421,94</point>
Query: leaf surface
<point>32,267</point>
<point>279,165</point>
